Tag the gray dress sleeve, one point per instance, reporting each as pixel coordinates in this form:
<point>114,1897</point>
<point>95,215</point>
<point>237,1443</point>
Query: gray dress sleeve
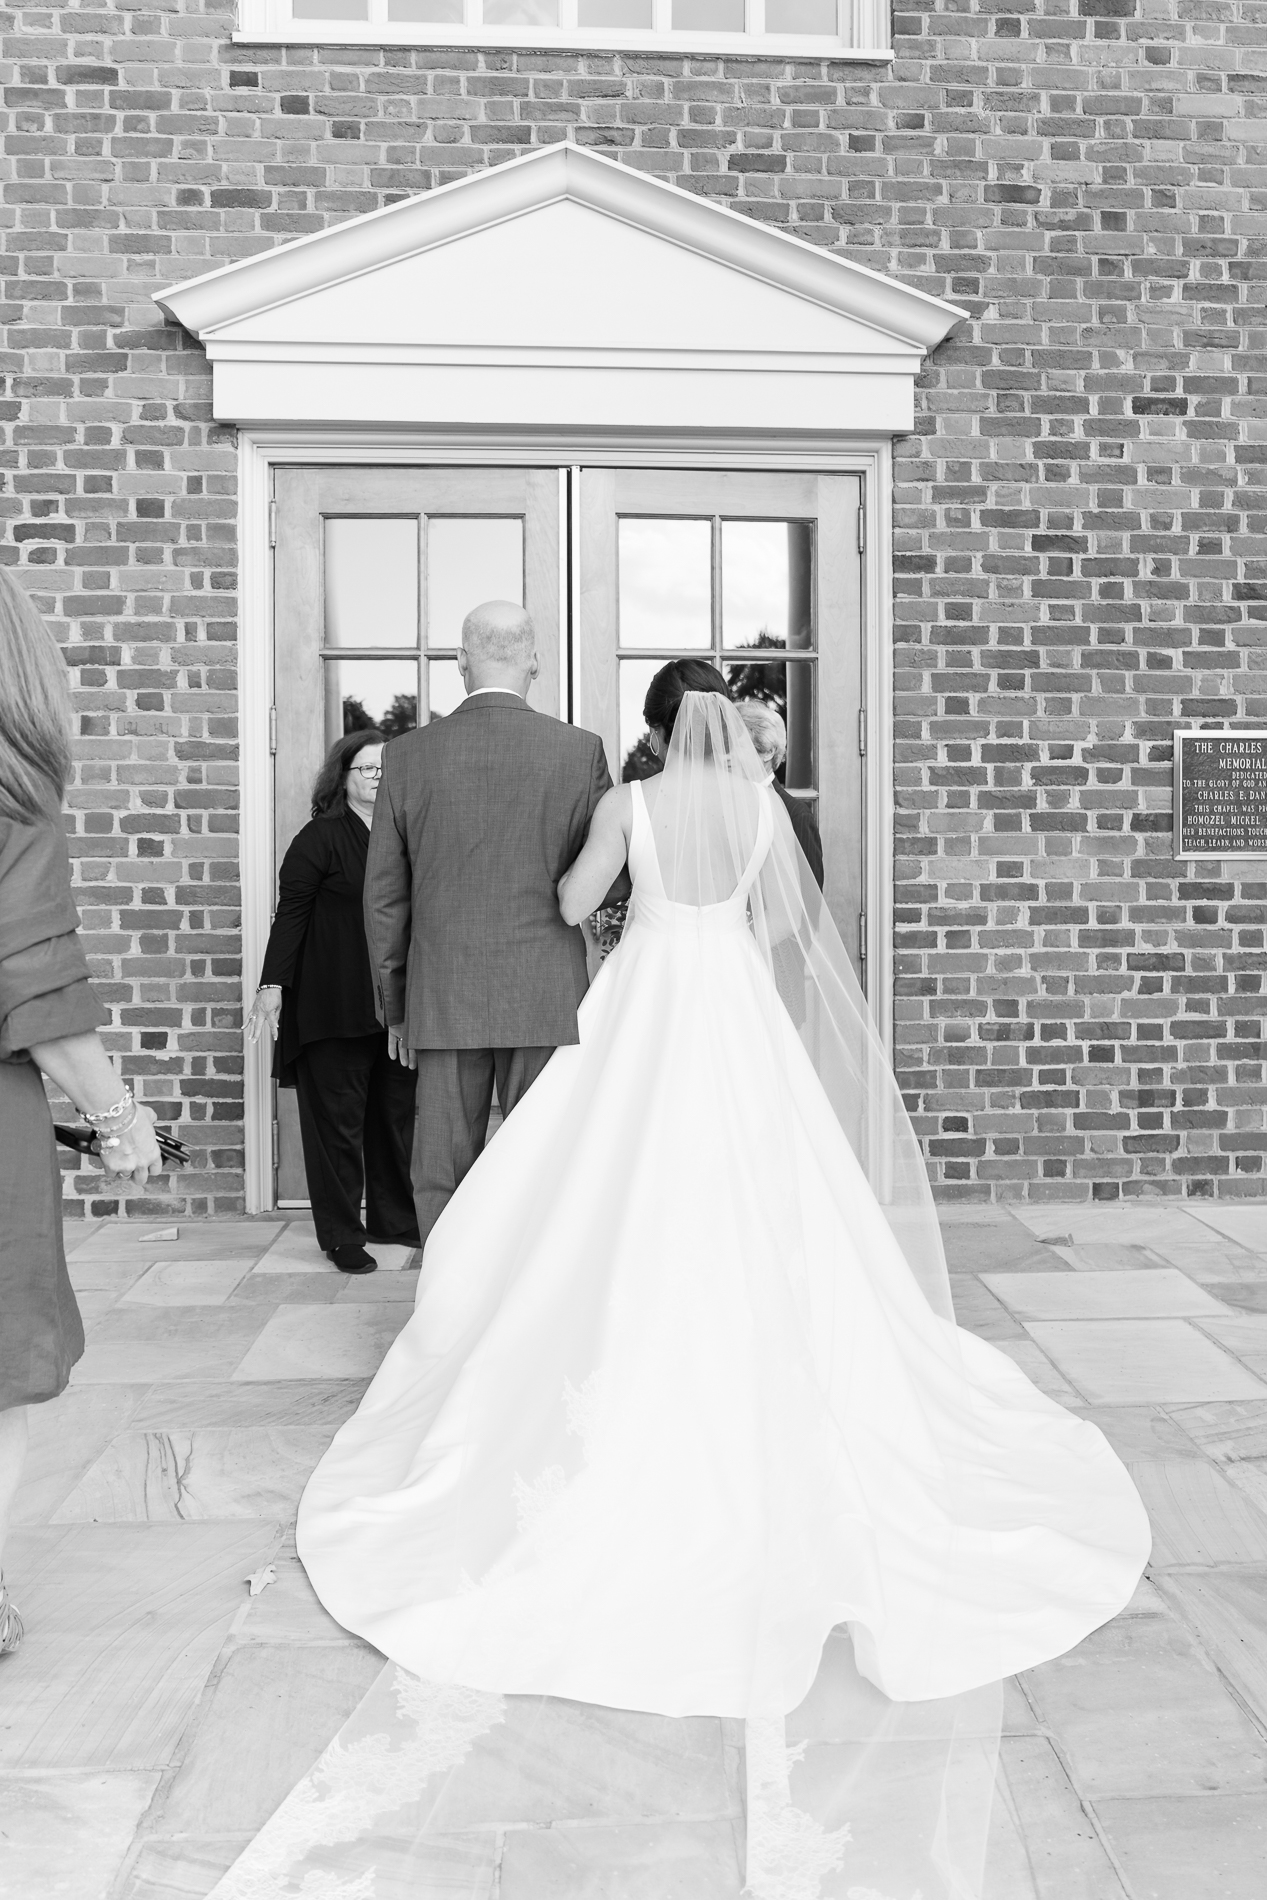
<point>45,994</point>
<point>44,988</point>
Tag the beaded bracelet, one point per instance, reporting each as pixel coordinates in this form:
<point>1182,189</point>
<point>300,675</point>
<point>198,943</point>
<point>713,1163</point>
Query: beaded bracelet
<point>115,1138</point>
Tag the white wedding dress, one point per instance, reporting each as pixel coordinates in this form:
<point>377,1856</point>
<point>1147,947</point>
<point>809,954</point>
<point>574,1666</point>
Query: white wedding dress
<point>672,1408</point>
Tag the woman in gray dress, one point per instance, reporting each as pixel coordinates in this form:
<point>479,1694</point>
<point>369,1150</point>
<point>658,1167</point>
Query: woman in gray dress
<point>48,1022</point>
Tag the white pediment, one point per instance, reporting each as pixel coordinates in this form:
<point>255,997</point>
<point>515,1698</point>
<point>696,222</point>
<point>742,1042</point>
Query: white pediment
<point>560,289</point>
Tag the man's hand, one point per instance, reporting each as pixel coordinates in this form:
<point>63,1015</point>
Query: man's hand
<point>398,1050</point>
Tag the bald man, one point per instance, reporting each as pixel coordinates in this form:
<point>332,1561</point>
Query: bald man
<point>477,978</point>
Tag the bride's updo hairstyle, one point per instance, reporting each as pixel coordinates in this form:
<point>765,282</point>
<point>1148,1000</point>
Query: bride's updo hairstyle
<point>671,685</point>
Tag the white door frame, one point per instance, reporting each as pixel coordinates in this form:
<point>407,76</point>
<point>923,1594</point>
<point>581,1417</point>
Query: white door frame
<point>261,450</point>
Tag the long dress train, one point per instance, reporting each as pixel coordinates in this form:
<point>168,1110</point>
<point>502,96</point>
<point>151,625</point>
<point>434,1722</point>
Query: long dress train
<point>672,1409</point>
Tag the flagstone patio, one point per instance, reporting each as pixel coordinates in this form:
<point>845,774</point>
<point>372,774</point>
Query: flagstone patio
<point>158,1711</point>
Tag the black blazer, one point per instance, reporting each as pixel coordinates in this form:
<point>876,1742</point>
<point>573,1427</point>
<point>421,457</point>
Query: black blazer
<point>316,948</point>
<point>478,817</point>
<point>805,826</point>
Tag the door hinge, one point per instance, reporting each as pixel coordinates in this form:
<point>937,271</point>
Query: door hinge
<point>862,530</point>
<point>862,935</point>
<point>272,524</point>
<point>272,729</point>
<point>277,1147</point>
<point>862,731</point>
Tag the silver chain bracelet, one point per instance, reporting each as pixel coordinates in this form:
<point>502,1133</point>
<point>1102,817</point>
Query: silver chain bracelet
<point>113,1118</point>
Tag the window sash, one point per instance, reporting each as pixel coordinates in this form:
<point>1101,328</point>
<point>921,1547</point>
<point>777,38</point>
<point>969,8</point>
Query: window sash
<point>862,32</point>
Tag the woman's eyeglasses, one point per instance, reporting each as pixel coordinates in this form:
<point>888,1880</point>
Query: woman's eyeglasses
<point>369,771</point>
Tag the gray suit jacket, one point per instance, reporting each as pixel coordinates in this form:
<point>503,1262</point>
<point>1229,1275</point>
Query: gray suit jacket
<point>477,818</point>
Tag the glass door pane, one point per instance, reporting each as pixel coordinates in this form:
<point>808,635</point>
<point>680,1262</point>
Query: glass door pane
<point>371,581</point>
<point>665,584</point>
<point>767,575</point>
<point>445,689</point>
<point>636,757</point>
<point>365,693</point>
<point>787,687</point>
<point>371,595</point>
<point>470,559</point>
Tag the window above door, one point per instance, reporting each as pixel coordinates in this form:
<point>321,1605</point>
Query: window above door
<point>815,29</point>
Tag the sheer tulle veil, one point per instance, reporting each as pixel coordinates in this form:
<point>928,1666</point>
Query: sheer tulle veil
<point>710,813</point>
<point>847,1779</point>
<point>851,1792</point>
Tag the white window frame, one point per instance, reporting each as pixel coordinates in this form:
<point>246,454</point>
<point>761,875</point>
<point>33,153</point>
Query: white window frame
<point>863,32</point>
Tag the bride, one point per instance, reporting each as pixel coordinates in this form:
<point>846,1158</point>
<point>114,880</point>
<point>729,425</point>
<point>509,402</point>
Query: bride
<point>682,1422</point>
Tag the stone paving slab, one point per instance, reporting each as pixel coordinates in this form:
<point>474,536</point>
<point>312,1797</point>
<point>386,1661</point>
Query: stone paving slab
<point>124,1624</point>
<point>259,1727</point>
<point>67,1438</point>
<point>1134,1361</point>
<point>972,1249</point>
<point>1247,1226</point>
<point>66,1835</point>
<point>1226,1431</point>
<point>1226,1610</point>
<point>324,1342</point>
<point>1139,1711</point>
<point>1065,1857</point>
<point>188,1282</point>
<point>1148,1293</point>
<point>1197,1516</point>
<point>188,1477</point>
<point>178,1870</point>
<point>159,1343</point>
<point>1039,1370</point>
<point>1105,1256</point>
<point>1189,1847</point>
<point>195,1405</point>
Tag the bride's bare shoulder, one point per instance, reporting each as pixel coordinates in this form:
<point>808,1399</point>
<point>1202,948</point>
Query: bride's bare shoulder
<point>622,797</point>
<point>613,812</point>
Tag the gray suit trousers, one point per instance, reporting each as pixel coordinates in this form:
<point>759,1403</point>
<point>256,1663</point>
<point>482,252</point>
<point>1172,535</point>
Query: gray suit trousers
<point>455,1098</point>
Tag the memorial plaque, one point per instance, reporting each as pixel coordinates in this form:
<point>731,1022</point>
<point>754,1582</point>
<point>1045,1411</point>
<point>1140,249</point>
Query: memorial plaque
<point>1221,794</point>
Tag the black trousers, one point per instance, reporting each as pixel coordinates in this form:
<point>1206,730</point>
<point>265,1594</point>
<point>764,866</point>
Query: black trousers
<point>356,1120</point>
<point>455,1098</point>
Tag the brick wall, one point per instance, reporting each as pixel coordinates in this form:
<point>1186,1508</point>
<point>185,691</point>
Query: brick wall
<point>1077,515</point>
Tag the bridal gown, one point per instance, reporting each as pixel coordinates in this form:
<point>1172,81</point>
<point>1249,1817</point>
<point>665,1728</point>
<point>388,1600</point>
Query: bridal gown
<point>624,1454</point>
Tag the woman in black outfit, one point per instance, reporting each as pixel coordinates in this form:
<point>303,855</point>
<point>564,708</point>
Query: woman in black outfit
<point>356,1107</point>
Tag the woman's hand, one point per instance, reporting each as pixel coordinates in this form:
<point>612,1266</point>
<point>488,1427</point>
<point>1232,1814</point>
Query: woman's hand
<point>265,1013</point>
<point>136,1151</point>
<point>81,1069</point>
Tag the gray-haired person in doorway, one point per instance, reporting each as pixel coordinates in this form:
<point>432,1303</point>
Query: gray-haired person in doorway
<point>477,978</point>
<point>769,736</point>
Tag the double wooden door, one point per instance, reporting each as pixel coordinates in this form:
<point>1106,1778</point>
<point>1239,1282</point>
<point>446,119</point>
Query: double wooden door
<point>621,570</point>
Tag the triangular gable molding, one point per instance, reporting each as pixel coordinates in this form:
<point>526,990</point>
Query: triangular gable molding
<point>389,316</point>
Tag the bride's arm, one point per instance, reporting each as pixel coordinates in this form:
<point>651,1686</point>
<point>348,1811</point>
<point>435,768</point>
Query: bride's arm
<point>591,875</point>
